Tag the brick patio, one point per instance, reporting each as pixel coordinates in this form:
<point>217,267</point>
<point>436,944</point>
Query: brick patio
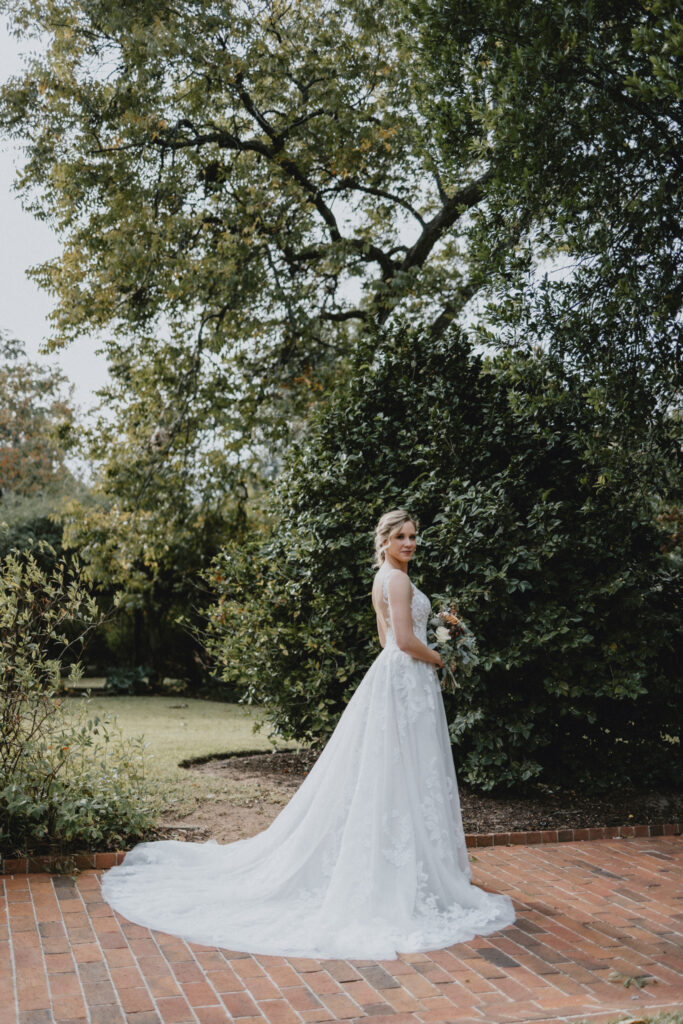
<point>585,910</point>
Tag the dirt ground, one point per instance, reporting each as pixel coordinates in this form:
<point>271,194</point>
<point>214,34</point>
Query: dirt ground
<point>275,777</point>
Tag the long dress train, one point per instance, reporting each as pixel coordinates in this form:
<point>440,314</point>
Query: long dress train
<point>368,858</point>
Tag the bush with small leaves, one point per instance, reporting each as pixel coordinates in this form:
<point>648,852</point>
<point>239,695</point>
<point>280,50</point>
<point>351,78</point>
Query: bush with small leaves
<point>539,509</point>
<point>65,782</point>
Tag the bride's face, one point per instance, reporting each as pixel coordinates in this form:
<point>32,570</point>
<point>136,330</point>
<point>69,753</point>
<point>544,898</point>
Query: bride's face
<point>402,543</point>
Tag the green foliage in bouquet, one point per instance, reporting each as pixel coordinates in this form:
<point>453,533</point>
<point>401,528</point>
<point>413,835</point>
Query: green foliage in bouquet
<point>66,782</point>
<point>546,515</point>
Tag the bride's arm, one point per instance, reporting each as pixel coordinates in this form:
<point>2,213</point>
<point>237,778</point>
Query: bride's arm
<point>400,598</point>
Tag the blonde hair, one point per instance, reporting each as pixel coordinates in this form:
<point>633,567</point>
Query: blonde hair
<point>388,525</point>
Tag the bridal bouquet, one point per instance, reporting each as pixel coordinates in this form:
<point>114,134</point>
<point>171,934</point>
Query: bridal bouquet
<point>456,644</point>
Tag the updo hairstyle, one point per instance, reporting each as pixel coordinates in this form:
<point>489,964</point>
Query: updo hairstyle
<point>389,524</point>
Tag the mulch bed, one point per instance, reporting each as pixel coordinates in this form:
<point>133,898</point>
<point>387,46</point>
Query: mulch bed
<point>539,809</point>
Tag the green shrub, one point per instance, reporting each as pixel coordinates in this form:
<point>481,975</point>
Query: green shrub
<point>129,682</point>
<point>539,509</point>
<point>79,785</point>
<point>64,783</point>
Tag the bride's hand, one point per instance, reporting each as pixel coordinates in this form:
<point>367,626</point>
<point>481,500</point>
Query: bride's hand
<point>439,663</point>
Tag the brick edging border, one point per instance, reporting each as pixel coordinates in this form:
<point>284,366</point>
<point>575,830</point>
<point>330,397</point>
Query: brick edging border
<point>101,861</point>
<point>571,835</point>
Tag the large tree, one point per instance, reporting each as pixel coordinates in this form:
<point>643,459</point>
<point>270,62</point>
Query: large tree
<point>241,188</point>
<point>586,101</point>
<point>236,184</point>
<point>238,187</point>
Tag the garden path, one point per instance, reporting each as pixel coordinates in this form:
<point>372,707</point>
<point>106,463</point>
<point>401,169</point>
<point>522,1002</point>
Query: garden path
<point>591,915</point>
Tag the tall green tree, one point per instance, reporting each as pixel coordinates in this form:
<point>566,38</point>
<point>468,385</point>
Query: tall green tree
<point>242,188</point>
<point>237,185</point>
<point>238,188</point>
<point>586,100</point>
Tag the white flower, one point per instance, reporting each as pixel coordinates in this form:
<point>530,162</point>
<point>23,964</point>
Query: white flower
<point>443,635</point>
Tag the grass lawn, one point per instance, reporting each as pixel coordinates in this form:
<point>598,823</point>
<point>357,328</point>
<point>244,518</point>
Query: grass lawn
<point>179,728</point>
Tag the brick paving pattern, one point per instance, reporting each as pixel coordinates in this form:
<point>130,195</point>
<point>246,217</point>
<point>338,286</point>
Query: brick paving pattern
<point>585,910</point>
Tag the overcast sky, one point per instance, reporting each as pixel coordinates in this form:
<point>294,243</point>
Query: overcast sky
<point>24,308</point>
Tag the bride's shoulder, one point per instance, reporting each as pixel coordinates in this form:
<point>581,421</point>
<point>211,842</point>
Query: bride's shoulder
<point>395,580</point>
<point>382,575</point>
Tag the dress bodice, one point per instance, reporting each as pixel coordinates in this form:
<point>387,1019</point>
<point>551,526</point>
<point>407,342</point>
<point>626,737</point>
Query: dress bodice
<point>420,608</point>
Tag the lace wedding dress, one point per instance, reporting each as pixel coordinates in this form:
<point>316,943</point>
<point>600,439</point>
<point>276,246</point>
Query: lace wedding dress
<point>368,859</point>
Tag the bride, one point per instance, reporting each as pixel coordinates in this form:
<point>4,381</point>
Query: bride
<point>368,859</point>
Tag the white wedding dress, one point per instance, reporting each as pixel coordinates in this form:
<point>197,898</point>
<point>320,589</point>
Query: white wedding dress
<point>367,860</point>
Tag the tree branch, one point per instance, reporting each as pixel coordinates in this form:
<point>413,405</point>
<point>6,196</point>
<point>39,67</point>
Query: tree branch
<point>339,317</point>
<point>352,183</point>
<point>465,198</point>
<point>367,251</point>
